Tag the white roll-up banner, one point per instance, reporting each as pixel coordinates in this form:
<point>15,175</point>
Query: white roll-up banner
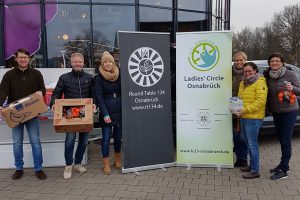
<point>203,90</point>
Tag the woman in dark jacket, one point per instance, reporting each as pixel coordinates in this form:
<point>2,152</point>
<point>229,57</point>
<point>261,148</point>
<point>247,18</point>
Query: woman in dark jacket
<point>239,145</point>
<point>282,103</point>
<point>108,99</point>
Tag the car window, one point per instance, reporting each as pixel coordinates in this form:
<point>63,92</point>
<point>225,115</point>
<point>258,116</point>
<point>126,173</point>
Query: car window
<point>296,70</point>
<point>262,68</point>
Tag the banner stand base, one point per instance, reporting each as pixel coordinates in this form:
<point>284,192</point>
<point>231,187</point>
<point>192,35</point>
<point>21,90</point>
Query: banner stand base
<point>149,167</point>
<point>218,167</point>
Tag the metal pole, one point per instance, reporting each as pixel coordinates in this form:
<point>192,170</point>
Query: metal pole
<point>209,15</point>
<point>137,15</point>
<point>2,47</point>
<point>43,34</point>
<point>90,44</point>
<point>64,58</point>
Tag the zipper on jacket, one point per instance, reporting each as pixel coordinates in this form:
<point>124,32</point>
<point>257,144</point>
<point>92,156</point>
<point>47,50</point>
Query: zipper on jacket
<point>79,86</point>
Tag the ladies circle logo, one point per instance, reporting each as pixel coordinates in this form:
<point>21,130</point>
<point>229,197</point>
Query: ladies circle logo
<point>203,118</point>
<point>145,66</point>
<point>204,56</point>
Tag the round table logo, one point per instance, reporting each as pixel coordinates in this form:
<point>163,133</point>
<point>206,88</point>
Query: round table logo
<point>145,66</point>
<point>204,56</point>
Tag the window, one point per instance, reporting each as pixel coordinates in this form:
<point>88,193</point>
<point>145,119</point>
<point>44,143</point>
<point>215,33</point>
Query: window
<point>107,21</point>
<point>113,1</point>
<point>69,32</point>
<point>199,5</point>
<point>188,22</point>
<point>22,30</point>
<point>155,20</point>
<point>163,3</point>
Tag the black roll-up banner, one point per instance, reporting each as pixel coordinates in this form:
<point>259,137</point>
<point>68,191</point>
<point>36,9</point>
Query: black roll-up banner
<point>146,101</point>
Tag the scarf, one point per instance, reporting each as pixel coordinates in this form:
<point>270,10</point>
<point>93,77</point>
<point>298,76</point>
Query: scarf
<point>250,80</point>
<point>111,75</point>
<point>278,73</point>
<point>237,71</point>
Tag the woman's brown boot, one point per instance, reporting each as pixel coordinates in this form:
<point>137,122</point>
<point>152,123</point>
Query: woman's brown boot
<point>118,162</point>
<point>106,166</point>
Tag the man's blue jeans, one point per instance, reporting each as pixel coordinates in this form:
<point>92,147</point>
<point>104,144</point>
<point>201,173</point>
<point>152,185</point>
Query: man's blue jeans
<point>284,125</point>
<point>69,147</point>
<point>249,131</point>
<point>240,147</point>
<point>117,134</point>
<point>32,127</point>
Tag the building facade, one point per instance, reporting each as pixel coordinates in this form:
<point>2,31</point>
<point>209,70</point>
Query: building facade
<point>53,29</point>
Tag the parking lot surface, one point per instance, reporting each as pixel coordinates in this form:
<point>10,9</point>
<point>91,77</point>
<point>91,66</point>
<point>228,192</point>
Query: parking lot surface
<point>175,183</point>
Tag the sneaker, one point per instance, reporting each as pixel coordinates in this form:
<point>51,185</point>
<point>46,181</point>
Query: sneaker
<point>245,169</point>
<point>279,175</point>
<point>79,168</point>
<point>40,175</point>
<point>17,175</point>
<point>276,169</point>
<point>251,175</point>
<point>68,172</point>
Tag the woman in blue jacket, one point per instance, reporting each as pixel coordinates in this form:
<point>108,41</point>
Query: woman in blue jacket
<point>108,99</point>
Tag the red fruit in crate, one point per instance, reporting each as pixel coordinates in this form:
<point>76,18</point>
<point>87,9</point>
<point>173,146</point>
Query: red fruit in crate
<point>292,101</point>
<point>293,96</point>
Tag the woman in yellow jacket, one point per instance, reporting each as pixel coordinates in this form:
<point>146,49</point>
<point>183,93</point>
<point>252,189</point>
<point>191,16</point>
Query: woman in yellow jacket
<point>253,91</point>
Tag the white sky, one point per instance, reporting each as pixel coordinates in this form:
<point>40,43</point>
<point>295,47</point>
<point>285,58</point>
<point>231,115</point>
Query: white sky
<point>255,13</point>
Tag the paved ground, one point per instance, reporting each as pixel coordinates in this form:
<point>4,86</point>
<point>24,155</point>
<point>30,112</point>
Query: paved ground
<point>175,183</point>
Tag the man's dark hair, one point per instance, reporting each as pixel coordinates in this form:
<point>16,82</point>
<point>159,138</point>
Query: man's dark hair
<point>22,50</point>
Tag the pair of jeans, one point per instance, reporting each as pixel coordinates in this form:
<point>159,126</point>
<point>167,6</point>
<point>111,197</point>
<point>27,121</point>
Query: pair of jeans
<point>240,146</point>
<point>117,134</point>
<point>284,126</point>
<point>81,146</point>
<point>249,131</point>
<point>32,127</point>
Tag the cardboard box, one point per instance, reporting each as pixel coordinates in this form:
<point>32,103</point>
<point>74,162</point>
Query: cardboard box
<point>23,110</point>
<point>63,124</point>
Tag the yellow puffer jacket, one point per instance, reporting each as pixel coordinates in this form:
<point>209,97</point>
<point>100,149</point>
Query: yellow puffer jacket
<point>254,97</point>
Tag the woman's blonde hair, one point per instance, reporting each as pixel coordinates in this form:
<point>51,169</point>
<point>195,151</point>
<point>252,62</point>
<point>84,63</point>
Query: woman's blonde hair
<point>240,53</point>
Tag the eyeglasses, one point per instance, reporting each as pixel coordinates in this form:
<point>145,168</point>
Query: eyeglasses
<point>275,61</point>
<point>249,72</point>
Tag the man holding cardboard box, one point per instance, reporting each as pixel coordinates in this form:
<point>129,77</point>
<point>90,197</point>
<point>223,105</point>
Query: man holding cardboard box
<point>76,84</point>
<point>17,83</point>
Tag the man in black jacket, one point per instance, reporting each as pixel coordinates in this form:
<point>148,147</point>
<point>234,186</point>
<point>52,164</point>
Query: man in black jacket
<point>74,84</point>
<point>18,83</point>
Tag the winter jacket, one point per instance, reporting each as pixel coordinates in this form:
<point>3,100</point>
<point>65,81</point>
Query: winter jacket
<point>17,84</point>
<point>275,86</point>
<point>108,99</point>
<point>73,85</point>
<point>254,98</point>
